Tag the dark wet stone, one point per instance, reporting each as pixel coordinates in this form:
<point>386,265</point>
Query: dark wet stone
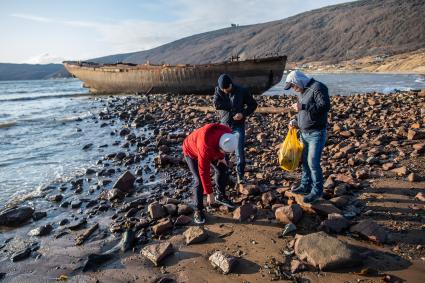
<point>125,182</point>
<point>76,225</point>
<point>90,171</point>
<point>65,204</point>
<point>76,203</point>
<point>185,209</point>
<point>127,240</point>
<point>183,220</point>
<point>156,210</point>
<point>56,198</point>
<point>39,215</point>
<point>21,255</point>
<point>63,222</point>
<point>87,146</point>
<point>16,216</point>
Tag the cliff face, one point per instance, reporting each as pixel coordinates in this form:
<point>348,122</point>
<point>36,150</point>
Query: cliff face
<point>334,33</point>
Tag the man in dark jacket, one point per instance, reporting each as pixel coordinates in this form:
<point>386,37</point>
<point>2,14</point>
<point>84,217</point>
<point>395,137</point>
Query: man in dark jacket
<point>313,106</point>
<point>234,103</point>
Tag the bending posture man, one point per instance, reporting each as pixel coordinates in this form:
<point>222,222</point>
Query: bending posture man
<point>203,148</point>
<point>313,106</point>
<point>234,104</point>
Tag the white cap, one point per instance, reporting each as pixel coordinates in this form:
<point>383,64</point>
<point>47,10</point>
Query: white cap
<point>228,142</point>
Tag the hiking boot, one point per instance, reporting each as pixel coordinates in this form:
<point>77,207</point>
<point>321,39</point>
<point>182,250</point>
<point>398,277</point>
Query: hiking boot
<point>300,190</point>
<point>199,217</point>
<point>225,201</point>
<point>241,180</point>
<point>311,197</point>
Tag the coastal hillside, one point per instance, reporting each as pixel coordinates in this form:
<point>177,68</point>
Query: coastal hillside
<point>334,33</point>
<point>10,71</point>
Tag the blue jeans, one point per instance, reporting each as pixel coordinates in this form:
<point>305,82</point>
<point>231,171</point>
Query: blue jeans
<point>312,176</point>
<point>240,151</point>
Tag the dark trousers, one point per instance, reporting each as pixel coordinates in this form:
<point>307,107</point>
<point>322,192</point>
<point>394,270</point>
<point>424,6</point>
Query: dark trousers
<point>220,179</point>
<point>240,151</point>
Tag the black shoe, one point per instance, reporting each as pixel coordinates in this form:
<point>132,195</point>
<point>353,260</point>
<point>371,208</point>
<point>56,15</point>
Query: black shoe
<point>225,201</point>
<point>199,217</point>
<point>311,198</point>
<point>241,180</point>
<point>300,190</point>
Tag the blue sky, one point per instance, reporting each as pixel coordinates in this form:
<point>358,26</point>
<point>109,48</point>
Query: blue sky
<point>46,31</point>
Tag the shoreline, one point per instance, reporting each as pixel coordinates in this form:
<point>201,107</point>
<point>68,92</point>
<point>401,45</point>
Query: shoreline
<point>154,127</point>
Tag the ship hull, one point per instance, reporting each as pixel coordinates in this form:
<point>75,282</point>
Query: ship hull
<point>257,74</point>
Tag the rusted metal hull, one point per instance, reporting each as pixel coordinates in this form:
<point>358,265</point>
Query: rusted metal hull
<point>257,74</point>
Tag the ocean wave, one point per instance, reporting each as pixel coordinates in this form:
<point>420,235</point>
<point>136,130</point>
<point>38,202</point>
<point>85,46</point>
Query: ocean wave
<point>43,97</point>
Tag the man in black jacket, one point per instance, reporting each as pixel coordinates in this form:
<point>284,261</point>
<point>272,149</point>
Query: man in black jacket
<point>313,107</point>
<point>234,104</point>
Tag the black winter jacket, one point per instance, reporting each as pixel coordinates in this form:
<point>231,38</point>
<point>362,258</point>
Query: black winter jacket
<point>240,100</point>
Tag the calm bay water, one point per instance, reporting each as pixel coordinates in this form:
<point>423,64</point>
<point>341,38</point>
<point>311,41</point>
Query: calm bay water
<point>44,125</point>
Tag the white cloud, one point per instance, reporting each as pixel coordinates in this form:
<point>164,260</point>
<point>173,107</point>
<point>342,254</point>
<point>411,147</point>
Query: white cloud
<point>45,58</point>
<point>193,17</point>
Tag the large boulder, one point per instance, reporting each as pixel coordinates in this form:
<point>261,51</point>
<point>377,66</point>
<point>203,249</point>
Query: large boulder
<point>125,182</point>
<point>16,216</point>
<point>289,214</point>
<point>157,252</point>
<point>325,252</point>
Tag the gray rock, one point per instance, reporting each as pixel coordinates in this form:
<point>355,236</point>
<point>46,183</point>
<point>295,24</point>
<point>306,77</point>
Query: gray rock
<point>185,209</point>
<point>195,234</point>
<point>16,216</point>
<point>325,252</point>
<point>182,220</point>
<point>41,231</point>
<point>223,261</point>
<point>157,252</point>
<point>335,223</point>
<point>39,215</point>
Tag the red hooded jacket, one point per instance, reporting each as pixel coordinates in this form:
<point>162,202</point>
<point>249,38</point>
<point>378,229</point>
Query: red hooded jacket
<point>203,145</point>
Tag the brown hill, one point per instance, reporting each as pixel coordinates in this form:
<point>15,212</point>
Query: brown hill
<point>334,33</point>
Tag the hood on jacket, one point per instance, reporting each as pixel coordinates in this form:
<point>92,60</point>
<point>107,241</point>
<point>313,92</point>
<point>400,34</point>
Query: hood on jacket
<point>297,78</point>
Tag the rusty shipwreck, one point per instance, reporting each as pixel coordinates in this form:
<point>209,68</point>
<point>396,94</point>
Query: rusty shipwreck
<point>257,74</point>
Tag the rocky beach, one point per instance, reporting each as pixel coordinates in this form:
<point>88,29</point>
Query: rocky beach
<point>129,218</point>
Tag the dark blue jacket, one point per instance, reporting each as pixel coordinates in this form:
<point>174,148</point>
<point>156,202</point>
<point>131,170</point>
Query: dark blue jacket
<point>315,105</point>
<point>240,100</point>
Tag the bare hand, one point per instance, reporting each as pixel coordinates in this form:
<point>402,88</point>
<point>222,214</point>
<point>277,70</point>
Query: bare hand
<point>290,126</point>
<point>210,199</point>
<point>222,161</point>
<point>296,106</point>
<point>238,117</point>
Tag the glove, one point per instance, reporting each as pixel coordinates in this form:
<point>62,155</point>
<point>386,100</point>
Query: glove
<point>293,123</point>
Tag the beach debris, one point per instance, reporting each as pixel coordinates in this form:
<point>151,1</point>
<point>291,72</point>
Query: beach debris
<point>16,216</point>
<point>244,212</point>
<point>157,252</point>
<point>325,252</point>
<point>369,229</point>
<point>223,261</point>
<point>86,234</point>
<point>195,234</point>
<point>289,214</point>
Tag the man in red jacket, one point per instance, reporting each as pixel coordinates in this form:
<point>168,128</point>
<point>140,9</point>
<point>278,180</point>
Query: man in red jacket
<point>203,148</point>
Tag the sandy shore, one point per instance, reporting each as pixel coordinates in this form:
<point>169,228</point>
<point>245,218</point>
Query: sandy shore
<point>373,161</point>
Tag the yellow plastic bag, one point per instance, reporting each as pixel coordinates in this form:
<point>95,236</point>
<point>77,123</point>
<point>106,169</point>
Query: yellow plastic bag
<point>290,151</point>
